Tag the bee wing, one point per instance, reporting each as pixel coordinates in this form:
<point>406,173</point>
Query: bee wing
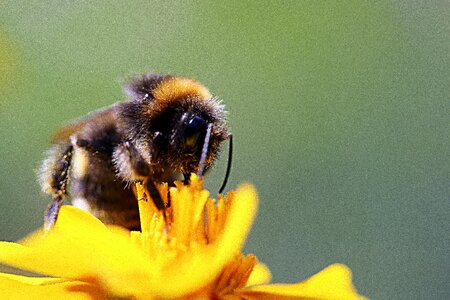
<point>66,132</point>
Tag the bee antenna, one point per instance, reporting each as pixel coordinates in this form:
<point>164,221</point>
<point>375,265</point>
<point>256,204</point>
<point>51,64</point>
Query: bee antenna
<point>230,159</point>
<point>201,167</point>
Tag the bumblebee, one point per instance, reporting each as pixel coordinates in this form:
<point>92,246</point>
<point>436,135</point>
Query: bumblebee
<point>171,127</point>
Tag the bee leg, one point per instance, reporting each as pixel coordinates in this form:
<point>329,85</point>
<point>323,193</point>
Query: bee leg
<point>155,195</point>
<point>59,180</point>
<point>187,178</point>
<point>129,164</point>
<point>156,198</point>
<point>52,213</point>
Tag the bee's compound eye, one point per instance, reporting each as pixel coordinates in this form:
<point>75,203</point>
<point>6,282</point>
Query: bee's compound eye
<point>195,127</point>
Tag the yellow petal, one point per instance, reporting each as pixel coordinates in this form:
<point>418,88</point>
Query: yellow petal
<point>21,287</point>
<point>260,275</point>
<point>205,265</point>
<point>81,247</point>
<point>334,282</point>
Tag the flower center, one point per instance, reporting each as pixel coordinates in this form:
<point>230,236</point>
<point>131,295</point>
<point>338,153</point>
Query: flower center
<point>190,227</point>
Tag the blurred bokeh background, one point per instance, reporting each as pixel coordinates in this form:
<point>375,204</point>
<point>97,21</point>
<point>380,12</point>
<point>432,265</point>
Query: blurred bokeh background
<point>340,112</point>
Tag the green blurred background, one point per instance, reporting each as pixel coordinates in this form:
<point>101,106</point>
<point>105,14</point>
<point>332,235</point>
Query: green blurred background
<point>340,112</point>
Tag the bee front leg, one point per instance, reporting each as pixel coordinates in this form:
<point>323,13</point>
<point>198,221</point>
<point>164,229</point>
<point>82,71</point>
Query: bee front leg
<point>129,164</point>
<point>150,186</point>
<point>58,185</point>
<point>131,167</point>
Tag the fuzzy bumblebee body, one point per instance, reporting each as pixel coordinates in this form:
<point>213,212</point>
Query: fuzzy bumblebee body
<point>170,124</point>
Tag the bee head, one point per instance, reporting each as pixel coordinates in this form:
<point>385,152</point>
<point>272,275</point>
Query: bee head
<point>173,122</point>
<point>181,135</point>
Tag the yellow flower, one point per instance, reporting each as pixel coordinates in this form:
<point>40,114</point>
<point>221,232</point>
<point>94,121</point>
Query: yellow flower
<point>194,252</point>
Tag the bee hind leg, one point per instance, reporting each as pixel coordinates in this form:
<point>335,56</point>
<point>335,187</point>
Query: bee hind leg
<point>52,213</point>
<point>58,185</point>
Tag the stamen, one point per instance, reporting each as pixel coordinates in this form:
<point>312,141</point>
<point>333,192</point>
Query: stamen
<point>236,274</point>
<point>145,211</point>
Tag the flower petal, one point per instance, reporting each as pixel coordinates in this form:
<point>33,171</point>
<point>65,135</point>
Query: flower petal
<point>204,266</point>
<point>21,287</point>
<point>260,275</point>
<point>81,247</point>
<point>334,282</point>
